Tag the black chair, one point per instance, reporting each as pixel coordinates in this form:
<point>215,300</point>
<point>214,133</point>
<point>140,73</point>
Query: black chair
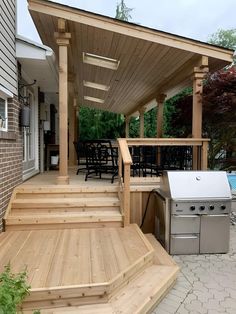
<point>150,161</point>
<point>101,158</point>
<point>79,148</point>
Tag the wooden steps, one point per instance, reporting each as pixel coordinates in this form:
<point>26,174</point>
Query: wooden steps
<point>35,207</point>
<point>140,294</point>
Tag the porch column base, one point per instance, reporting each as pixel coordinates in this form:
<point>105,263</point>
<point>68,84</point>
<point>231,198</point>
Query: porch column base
<point>63,180</point>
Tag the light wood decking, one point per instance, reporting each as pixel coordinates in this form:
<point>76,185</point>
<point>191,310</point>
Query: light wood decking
<point>83,266</point>
<point>53,207</point>
<point>78,258</point>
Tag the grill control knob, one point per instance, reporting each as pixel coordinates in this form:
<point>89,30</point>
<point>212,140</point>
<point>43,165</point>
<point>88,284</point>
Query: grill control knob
<point>202,207</point>
<point>192,207</point>
<point>222,207</point>
<point>211,207</point>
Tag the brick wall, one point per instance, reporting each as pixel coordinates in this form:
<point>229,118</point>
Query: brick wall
<point>11,151</point>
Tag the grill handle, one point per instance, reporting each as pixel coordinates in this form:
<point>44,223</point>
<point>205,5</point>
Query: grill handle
<point>219,215</point>
<point>184,237</point>
<point>185,216</point>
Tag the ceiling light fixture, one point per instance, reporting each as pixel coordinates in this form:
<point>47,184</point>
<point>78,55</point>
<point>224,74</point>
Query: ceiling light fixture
<point>96,86</point>
<point>100,61</point>
<point>101,101</point>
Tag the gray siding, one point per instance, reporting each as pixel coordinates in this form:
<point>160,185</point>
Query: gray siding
<point>8,65</point>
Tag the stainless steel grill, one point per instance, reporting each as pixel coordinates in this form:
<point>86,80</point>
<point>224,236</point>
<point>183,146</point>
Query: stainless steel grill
<point>192,214</point>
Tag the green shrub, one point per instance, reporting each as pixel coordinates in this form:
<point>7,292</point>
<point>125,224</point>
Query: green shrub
<point>13,290</point>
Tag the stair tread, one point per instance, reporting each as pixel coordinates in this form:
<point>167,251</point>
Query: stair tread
<point>65,214</point>
<point>66,200</point>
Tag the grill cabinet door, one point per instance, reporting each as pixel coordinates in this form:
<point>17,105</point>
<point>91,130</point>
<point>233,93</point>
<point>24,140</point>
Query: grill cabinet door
<point>185,224</point>
<point>214,235</point>
<point>184,244</point>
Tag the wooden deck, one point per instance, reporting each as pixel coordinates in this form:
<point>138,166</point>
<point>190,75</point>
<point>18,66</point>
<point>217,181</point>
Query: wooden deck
<point>82,266</point>
<point>78,255</point>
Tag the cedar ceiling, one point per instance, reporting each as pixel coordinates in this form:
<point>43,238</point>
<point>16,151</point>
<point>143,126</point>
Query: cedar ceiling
<point>146,67</point>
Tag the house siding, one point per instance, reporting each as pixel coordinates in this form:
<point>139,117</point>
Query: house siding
<point>11,154</point>
<point>11,147</point>
<point>8,64</point>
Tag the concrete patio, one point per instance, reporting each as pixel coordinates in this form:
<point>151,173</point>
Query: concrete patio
<point>206,284</point>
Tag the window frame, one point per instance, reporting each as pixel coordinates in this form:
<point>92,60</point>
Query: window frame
<point>5,98</point>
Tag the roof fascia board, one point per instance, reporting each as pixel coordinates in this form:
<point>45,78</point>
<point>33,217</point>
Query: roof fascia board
<point>139,32</point>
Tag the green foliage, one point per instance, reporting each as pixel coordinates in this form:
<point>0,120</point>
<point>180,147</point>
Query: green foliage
<point>123,12</point>
<point>13,290</point>
<point>150,122</point>
<point>134,127</point>
<point>224,38</point>
<point>181,128</point>
<point>97,124</point>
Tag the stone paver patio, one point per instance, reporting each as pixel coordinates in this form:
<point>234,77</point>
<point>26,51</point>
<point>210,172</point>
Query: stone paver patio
<point>206,284</point>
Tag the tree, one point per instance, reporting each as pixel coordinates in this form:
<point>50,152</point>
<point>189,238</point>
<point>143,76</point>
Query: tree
<point>224,38</point>
<point>219,113</point>
<point>123,12</point>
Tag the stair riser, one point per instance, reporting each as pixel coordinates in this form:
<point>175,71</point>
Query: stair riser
<point>64,195</point>
<point>64,205</point>
<point>31,211</point>
<point>84,225</point>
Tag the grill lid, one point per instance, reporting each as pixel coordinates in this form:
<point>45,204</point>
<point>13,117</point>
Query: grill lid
<point>197,185</point>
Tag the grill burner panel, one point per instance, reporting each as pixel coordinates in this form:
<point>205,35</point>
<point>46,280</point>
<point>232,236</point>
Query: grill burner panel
<point>201,207</point>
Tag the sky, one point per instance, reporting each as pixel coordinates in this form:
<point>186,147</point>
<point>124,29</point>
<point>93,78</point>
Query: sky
<point>195,19</point>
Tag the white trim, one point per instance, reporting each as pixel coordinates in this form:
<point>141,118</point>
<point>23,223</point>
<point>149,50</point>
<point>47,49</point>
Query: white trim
<point>27,175</point>
<point>5,92</point>
<point>5,119</point>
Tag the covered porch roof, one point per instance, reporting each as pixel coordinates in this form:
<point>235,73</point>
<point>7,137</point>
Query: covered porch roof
<point>145,62</point>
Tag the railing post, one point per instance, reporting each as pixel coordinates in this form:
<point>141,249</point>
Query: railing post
<point>119,163</point>
<point>126,194</point>
<point>204,156</point>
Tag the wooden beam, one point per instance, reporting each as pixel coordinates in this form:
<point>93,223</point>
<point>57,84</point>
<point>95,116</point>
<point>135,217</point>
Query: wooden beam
<point>61,25</point>
<point>135,31</point>
<point>141,122</point>
<point>72,132</point>
<point>199,74</point>
<point>127,121</point>
<point>63,108</point>
<point>160,107</point>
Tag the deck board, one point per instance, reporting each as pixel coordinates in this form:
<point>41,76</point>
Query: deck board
<point>70,256</point>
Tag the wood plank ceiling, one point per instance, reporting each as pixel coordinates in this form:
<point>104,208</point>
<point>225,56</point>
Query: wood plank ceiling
<point>146,68</point>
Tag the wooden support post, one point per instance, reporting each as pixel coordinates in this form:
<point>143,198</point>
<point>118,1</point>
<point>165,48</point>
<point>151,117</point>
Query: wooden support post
<point>127,120</point>
<point>62,40</point>
<point>160,107</point>
<point>72,133</point>
<point>119,164</point>
<point>77,125</point>
<point>126,194</point>
<point>197,114</point>
<point>204,156</point>
<point>141,122</point>
<point>198,76</point>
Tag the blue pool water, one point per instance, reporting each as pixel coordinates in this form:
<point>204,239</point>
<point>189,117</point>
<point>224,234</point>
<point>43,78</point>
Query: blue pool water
<point>232,181</point>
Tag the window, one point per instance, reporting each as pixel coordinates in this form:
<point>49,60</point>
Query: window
<point>3,113</point>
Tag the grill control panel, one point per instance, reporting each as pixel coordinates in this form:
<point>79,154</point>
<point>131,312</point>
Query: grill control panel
<point>200,207</point>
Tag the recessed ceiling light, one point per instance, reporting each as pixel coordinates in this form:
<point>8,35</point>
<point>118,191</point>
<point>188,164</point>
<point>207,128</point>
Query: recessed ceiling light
<point>96,86</point>
<point>101,101</point>
<point>100,61</point>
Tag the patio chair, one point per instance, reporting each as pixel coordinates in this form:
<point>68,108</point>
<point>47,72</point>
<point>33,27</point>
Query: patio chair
<point>101,158</point>
<point>150,161</point>
<point>79,148</point>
